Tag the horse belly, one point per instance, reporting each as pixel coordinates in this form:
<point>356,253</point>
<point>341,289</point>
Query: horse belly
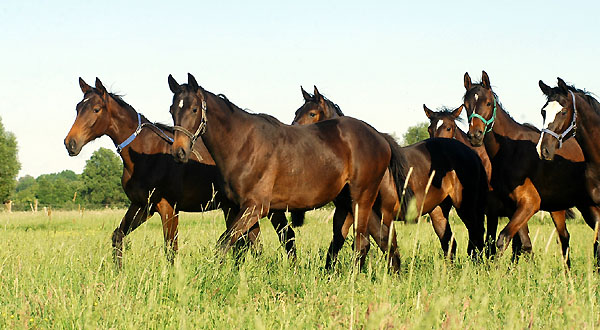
<point>306,193</point>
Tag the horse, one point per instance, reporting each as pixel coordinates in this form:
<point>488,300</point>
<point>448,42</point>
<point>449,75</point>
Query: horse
<point>576,114</point>
<point>443,124</point>
<point>523,181</point>
<point>267,165</point>
<point>152,180</point>
<point>459,176</point>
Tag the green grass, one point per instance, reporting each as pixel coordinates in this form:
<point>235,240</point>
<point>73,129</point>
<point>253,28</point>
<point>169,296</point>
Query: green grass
<point>58,273</point>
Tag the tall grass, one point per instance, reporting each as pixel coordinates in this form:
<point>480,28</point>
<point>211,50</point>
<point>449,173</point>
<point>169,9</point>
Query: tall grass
<point>59,273</point>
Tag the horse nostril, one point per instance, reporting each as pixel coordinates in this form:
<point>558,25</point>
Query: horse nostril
<point>180,153</point>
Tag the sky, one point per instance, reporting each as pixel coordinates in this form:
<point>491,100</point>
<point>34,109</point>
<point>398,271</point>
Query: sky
<point>379,61</point>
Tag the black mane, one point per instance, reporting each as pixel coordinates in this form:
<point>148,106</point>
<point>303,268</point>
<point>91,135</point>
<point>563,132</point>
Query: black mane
<point>232,106</point>
<point>444,112</point>
<point>330,103</point>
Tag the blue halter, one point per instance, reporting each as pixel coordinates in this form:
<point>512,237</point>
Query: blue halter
<point>137,131</point>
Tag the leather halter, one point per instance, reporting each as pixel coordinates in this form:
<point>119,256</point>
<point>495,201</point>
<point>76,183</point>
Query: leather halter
<point>201,128</point>
<point>572,127</point>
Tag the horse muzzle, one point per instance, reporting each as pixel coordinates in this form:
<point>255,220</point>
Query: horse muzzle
<point>180,155</point>
<point>476,139</point>
<point>73,148</point>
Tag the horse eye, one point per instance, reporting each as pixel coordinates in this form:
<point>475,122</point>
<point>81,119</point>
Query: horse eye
<point>312,114</point>
<point>194,110</point>
<point>488,104</point>
<point>448,129</point>
<point>96,110</point>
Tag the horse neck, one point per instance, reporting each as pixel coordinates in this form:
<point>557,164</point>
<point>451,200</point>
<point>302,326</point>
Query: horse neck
<point>224,129</point>
<point>123,122</point>
<point>586,134</point>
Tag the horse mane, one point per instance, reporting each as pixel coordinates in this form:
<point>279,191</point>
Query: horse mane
<point>268,118</point>
<point>444,112</point>
<point>165,127</point>
<point>588,96</point>
<point>330,103</point>
<point>119,99</point>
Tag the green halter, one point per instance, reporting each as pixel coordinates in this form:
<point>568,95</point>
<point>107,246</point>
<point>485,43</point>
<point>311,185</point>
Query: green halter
<point>487,123</point>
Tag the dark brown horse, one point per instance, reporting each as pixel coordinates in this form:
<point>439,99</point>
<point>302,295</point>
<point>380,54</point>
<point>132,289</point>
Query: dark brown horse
<point>574,112</point>
<point>459,176</point>
<point>523,181</point>
<point>152,180</point>
<point>267,165</point>
<point>443,124</point>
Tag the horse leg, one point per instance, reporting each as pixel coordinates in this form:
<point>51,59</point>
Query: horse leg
<point>528,203</point>
<point>441,226</point>
<point>230,212</point>
<point>561,228</point>
<point>170,222</point>
<point>285,233</point>
<point>134,217</point>
<point>244,226</point>
<point>342,220</point>
<point>521,243</point>
<point>362,206</point>
<point>492,212</point>
<point>591,215</point>
<point>475,228</point>
<point>379,228</point>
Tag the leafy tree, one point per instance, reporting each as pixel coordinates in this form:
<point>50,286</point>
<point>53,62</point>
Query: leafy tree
<point>102,180</point>
<point>26,193</point>
<point>58,189</point>
<point>9,164</point>
<point>415,134</point>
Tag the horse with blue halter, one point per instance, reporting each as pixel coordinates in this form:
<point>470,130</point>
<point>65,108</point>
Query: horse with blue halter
<point>459,178</point>
<point>575,113</point>
<point>523,182</point>
<point>267,165</point>
<point>152,180</point>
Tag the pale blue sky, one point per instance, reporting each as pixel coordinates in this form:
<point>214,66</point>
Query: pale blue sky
<point>380,61</point>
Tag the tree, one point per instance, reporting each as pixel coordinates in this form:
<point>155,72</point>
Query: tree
<point>58,189</point>
<point>415,134</point>
<point>102,180</point>
<point>26,193</point>
<point>9,164</point>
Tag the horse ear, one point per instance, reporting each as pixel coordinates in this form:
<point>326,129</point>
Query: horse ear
<point>173,85</point>
<point>467,81</point>
<point>428,112</point>
<point>100,88</point>
<point>305,95</point>
<point>563,86</point>
<point>545,88</point>
<point>457,112</point>
<point>192,82</point>
<point>317,94</point>
<point>84,86</point>
<point>485,80</point>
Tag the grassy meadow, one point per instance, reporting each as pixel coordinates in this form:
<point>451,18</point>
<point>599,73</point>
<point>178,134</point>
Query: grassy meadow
<point>58,273</point>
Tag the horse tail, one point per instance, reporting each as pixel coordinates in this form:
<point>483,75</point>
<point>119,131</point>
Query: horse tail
<point>398,170</point>
<point>297,218</point>
<point>570,214</point>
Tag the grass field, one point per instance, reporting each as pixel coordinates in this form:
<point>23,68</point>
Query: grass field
<point>58,273</point>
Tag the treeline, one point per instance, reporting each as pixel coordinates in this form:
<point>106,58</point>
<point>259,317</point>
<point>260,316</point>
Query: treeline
<point>99,186</point>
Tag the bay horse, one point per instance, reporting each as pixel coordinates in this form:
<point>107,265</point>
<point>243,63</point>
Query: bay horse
<point>519,177</point>
<point>267,165</point>
<point>443,124</point>
<point>459,176</point>
<point>576,114</point>
<point>152,180</point>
